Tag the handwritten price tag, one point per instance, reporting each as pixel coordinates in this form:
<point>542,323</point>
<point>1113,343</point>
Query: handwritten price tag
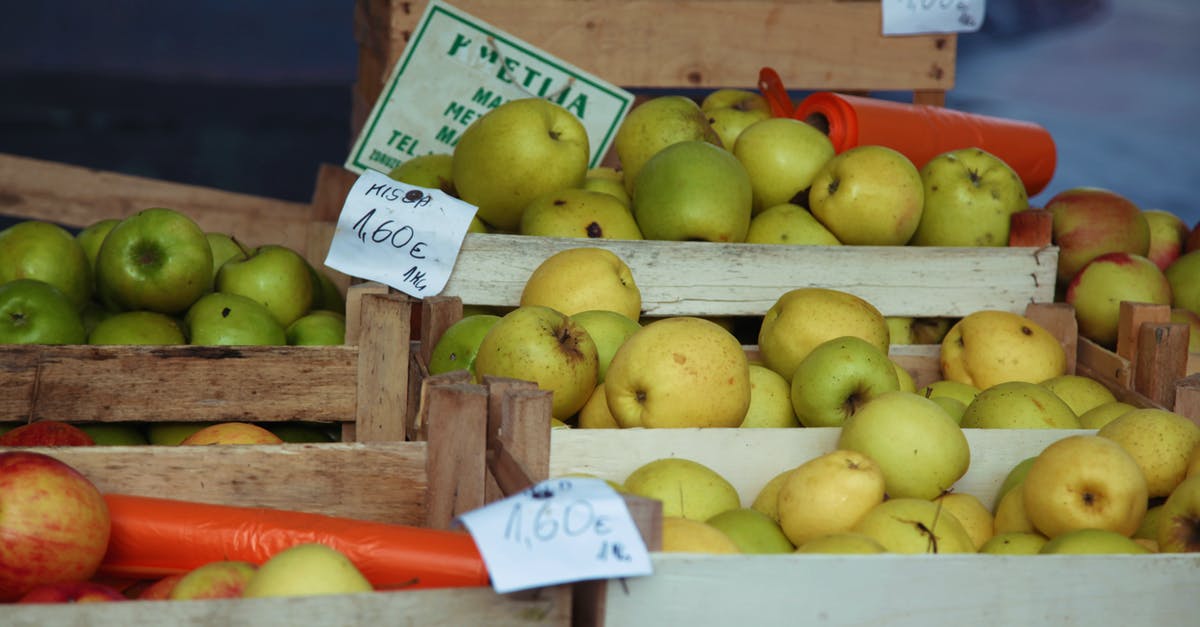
<point>558,531</point>
<point>917,17</point>
<point>401,235</point>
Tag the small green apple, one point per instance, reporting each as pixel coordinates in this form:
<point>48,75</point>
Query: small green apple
<point>686,488</point>
<point>868,195</point>
<point>155,260</point>
<point>232,320</point>
<point>1015,476</point>
<point>609,181</point>
<point>609,330</point>
<point>224,248</point>
<point>137,327</point>
<point>1014,543</point>
<point>317,328</point>
<point>730,111</point>
<point>327,296</point>
<point>275,276</point>
<point>456,348</point>
<point>693,190</point>
<point>1103,414</point>
<point>970,196</point>
<point>34,312</point>
<point>752,531</point>
<point>655,124</point>
<point>1184,276</point>
<point>782,156</point>
<point>92,236</point>
<point>837,378</point>
<point>304,570</point>
<point>47,252</point>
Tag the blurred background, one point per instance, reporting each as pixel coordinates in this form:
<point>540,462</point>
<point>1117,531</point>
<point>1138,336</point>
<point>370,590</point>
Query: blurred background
<point>252,95</point>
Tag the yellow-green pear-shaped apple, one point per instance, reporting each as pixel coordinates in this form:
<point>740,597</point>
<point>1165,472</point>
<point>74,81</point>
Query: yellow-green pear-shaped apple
<point>767,499</point>
<point>693,190</point>
<point>914,525</point>
<point>1168,235</point>
<point>731,110</point>
<point>224,579</point>
<point>782,156</point>
<point>1091,542</point>
<point>1014,543</point>
<point>972,513</point>
<point>788,223</point>
<point>432,171</point>
<point>1184,276</point>
<point>1179,523</point>
<point>970,196</point>
<point>44,251</point>
<point>540,344</point>
<point>319,327</point>
<point>844,542</point>
<point>609,330</point>
<point>770,400</point>
<point>868,195</point>
<point>1160,441</point>
<point>655,124</point>
<point>1015,476</point>
<point>1018,405</point>
<point>679,372</point>
<point>137,327</point>
<point>1103,414</point>
<point>837,378</point>
<point>752,531</point>
<point>305,570</point>
<point>608,180</point>
<point>157,259</point>
<point>1097,290</point>
<point>579,279</point>
<point>828,494</point>
<point>920,449</point>
<point>1080,393</point>
<point>961,392</point>
<point>904,377</point>
<point>577,212</point>
<point>953,407</point>
<point>516,152</point>
<point>1150,522</point>
<point>687,488</point>
<point>595,414</point>
<point>1084,481</point>
<point>1089,222</point>
<point>802,318</point>
<point>274,275</point>
<point>992,346</point>
<point>1010,515</point>
<point>459,343</point>
<point>220,319</point>
<point>684,535</point>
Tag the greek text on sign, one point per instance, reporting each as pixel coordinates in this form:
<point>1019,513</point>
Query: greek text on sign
<point>456,68</point>
<point>918,17</point>
<point>558,531</point>
<point>401,235</point>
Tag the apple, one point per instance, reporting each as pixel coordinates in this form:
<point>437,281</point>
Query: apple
<point>1091,542</point>
<point>46,433</point>
<point>1101,415</point>
<point>137,327</point>
<point>578,212</point>
<point>215,580</point>
<point>1014,543</point>
<point>431,171</point>
<point>327,296</point>
<point>231,433</point>
<point>579,279</point>
<point>680,371</point>
<point>319,327</point>
<point>767,499</point>
<point>224,248</point>
<point>54,524</point>
<point>1097,290</point>
<point>595,413</point>
<point>1184,276</point>
<point>608,180</point>
<point>837,378</point>
<point>1080,393</point>
<point>1011,515</point>
<point>218,318</point>
<point>970,196</point>
<point>172,433</point>
<point>1089,222</point>
<point>33,249</point>
<point>156,259</point>
<point>920,449</point>
<point>91,237</point>
<point>1168,233</point>
<point>1013,478</point>
<point>72,592</point>
<point>900,329</point>
<point>306,569</point>
<point>1148,530</point>
<point>845,542</point>
<point>1179,525</point>
<point>782,157</point>
<point>993,346</point>
<point>34,312</point>
<point>730,111</point>
<point>904,377</point>
<point>945,388</point>
<point>114,433</point>
<point>609,330</point>
<point>752,531</point>
<point>693,191</point>
<point>770,400</point>
<point>514,153</point>
<point>1193,466</point>
<point>915,525</point>
<point>459,343</point>
<point>868,195</point>
<point>1019,405</point>
<point>540,344</point>
<point>788,223</point>
<point>1084,481</point>
<point>654,124</point>
<point>931,329</point>
<point>159,589</point>
<point>684,535</point>
<point>802,318</point>
<point>686,488</point>
<point>1159,441</point>
<point>828,494</point>
<point>1191,319</point>
<point>953,407</point>
<point>971,513</point>
<point>275,276</point>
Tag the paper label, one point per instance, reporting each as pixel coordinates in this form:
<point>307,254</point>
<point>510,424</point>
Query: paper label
<point>920,17</point>
<point>401,235</point>
<point>454,69</point>
<point>558,531</point>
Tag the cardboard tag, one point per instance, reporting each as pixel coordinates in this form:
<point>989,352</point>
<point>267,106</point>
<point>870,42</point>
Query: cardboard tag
<point>454,69</point>
<point>558,531</point>
<point>401,235</point>
<point>919,17</point>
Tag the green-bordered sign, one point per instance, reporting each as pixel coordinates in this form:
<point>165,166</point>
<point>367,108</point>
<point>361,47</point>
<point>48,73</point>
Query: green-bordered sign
<point>457,68</point>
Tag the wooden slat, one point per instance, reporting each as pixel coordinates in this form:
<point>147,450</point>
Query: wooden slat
<point>456,418</point>
<point>1161,360</point>
<point>1059,319</point>
<point>381,379</point>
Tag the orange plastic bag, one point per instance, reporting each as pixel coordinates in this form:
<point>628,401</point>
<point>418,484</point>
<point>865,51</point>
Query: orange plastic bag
<point>154,537</point>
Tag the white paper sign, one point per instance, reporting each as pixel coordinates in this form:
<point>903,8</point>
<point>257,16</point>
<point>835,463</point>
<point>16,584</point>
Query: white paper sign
<point>558,531</point>
<point>918,17</point>
<point>454,69</point>
<point>401,235</point>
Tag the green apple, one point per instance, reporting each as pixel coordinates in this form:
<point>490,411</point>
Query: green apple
<point>222,579</point>
<point>1097,290</point>
<point>752,531</point>
<point>431,171</point>
<point>232,320</point>
<point>137,327</point>
<point>900,329</point>
<point>306,569</point>
<point>1014,543</point>
<point>1168,234</point>
<point>155,260</point>
<point>836,379</point>
<point>317,328</point>
<point>730,111</point>
<point>913,526</point>
<point>1080,393</point>
<point>770,401</point>
<point>327,296</point>
<point>1089,222</point>
<point>920,449</point>
<point>224,248</point>
<point>304,432</point>
<point>686,488</point>
<point>970,196</point>
<point>459,343</point>
<point>1090,542</point>
<point>92,236</point>
<point>172,433</point>
<point>1179,522</point>
<point>693,190</point>
<point>1019,405</point>
<point>607,180</point>
<point>782,157</point>
<point>34,312</point>
<point>1184,276</point>
<point>961,392</point>
<point>1148,530</point>
<point>954,407</point>
<point>609,330</point>
<point>579,213</point>
<point>114,433</point>
<point>93,314</point>
<point>1015,476</point>
<point>1101,415</point>
<point>516,152</point>
<point>275,276</point>
<point>788,223</point>
<point>868,195</point>
<point>44,251</point>
<point>655,124</point>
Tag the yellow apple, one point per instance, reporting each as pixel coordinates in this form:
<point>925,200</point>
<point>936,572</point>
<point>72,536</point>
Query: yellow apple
<point>1092,542</point>
<point>1168,234</point>
<point>1084,481</point>
<point>752,531</point>
<point>783,156</point>
<point>972,513</point>
<point>595,414</point>
<point>1101,415</point>
<point>953,407</point>
<point>1014,543</point>
<point>868,195</point>
<point>1179,523</point>
<point>578,212</point>
<point>609,330</point>
<point>598,179</point>
<point>788,223</point>
<point>828,494</point>
<point>1018,405</point>
<point>304,570</point>
<point>655,124</point>
<point>767,499</point>
<point>900,329</point>
<point>770,400</point>
<point>908,525</point>
<point>1160,441</point>
<point>686,488</point>
<point>1015,476</point>
<point>730,111</point>
<point>905,378</point>
<point>1193,467</point>
<point>846,542</point>
<point>1010,515</point>
<point>1080,393</point>
<point>957,390</point>
<point>802,318</point>
<point>684,535</point>
<point>231,433</point>
<point>579,279</point>
<point>990,346</point>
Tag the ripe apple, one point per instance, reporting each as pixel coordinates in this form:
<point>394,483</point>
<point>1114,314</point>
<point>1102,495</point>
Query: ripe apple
<point>828,494</point>
<point>459,343</point>
<point>782,157</point>
<point>1091,542</point>
<point>1179,527</point>
<point>327,296</point>
<point>686,488</point>
<point>91,237</point>
<point>1019,405</point>
<point>516,152</point>
<point>607,180</point>
<point>306,569</point>
<point>770,400</point>
<point>137,327</point>
<point>788,223</point>
<point>54,524</point>
<point>595,413</point>
<point>172,433</point>
<point>684,535</point>
<point>276,276</point>
<point>971,513</point>
<point>609,330</point>
<point>1098,288</point>
<point>542,345</point>
<point>1011,515</point>
<point>72,592</point>
<point>46,433</point>
<point>1014,543</point>
<point>900,329</point>
<point>837,378</point>
<point>156,259</point>
<point>1015,476</point>
<point>1084,481</point>
<point>802,318</point>
<point>34,249</point>
<point>1193,465</point>
<point>920,449</point>
<point>730,111</point>
<point>868,195</point>
<point>431,171</point>
<point>1148,530</point>
<point>1101,415</point>
<point>945,388</point>
<point>579,279</point>
<point>845,542</point>
<point>904,377</point>
<point>114,433</point>
<point>34,312</point>
<point>224,319</point>
<point>1168,233</point>
<point>1089,222</point>
<point>159,589</point>
<point>231,433</point>
<point>1184,276</point>
<point>224,248</point>
<point>990,346</point>
<point>1159,441</point>
<point>752,531</point>
<point>970,196</point>
<point>767,499</point>
<point>319,327</point>
<point>655,124</point>
<point>578,212</point>
<point>679,372</point>
<point>915,525</point>
<point>692,191</point>
<point>931,329</point>
<point>215,580</point>
<point>1080,393</point>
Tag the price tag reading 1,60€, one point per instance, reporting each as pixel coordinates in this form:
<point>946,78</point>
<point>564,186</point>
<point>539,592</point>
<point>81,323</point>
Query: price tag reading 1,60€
<point>558,531</point>
<point>401,235</point>
<point>916,17</point>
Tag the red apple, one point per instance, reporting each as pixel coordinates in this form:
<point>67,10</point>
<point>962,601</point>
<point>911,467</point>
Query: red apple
<point>54,524</point>
<point>231,433</point>
<point>1098,289</point>
<point>159,589</point>
<point>46,433</point>
<point>1089,222</point>
<point>72,592</point>
<point>1168,232</point>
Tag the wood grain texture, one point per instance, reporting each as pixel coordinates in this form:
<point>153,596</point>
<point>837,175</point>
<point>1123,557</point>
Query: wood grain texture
<point>456,424</point>
<point>381,380</point>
